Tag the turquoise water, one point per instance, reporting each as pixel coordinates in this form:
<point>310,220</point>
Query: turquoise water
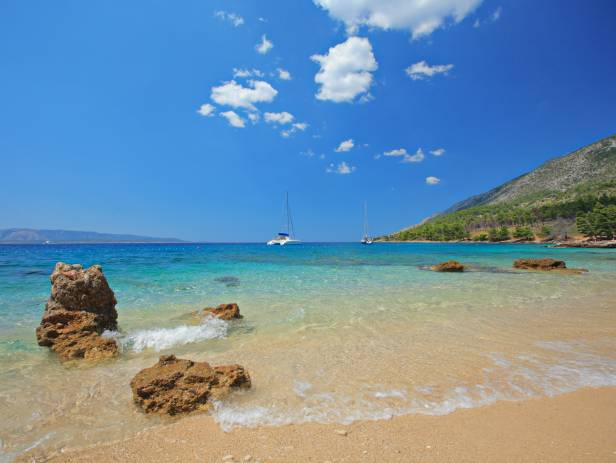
<point>331,332</point>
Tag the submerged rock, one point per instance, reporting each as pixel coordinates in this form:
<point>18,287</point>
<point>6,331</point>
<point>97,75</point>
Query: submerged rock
<point>449,266</point>
<point>539,264</point>
<point>81,306</point>
<point>224,311</point>
<point>174,386</point>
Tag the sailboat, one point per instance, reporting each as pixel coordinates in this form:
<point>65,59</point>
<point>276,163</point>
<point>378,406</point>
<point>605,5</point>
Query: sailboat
<point>366,239</point>
<point>287,237</point>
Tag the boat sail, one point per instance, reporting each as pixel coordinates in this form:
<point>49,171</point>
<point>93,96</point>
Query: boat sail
<point>288,236</point>
<point>366,239</point>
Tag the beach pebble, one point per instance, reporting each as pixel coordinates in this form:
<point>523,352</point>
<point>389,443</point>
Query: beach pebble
<point>341,432</point>
<point>227,458</point>
<point>248,458</point>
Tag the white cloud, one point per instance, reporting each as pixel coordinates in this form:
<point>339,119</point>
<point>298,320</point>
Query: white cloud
<point>398,152</point>
<point>423,70</point>
<point>421,17</point>
<point>233,94</point>
<point>433,180</point>
<point>343,168</point>
<point>366,98</point>
<point>242,73</point>
<point>497,14</point>
<point>417,157</point>
<point>438,152</point>
<point>283,74</point>
<point>234,119</point>
<point>278,118</point>
<point>233,18</point>
<point>308,153</point>
<point>346,145</point>
<point>477,23</point>
<point>346,70</point>
<point>254,117</point>
<point>206,110</point>
<point>294,128</point>
<point>264,46</point>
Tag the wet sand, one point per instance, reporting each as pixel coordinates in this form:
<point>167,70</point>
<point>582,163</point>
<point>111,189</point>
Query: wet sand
<point>575,427</point>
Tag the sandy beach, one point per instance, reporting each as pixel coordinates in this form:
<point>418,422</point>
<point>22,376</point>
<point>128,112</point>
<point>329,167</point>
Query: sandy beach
<point>575,427</point>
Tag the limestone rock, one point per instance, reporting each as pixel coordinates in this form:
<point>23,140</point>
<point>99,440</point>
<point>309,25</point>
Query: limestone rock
<point>539,264</point>
<point>80,308</point>
<point>224,311</point>
<point>449,266</point>
<point>174,386</point>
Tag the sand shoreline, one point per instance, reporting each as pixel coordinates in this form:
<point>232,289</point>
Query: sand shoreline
<point>575,427</point>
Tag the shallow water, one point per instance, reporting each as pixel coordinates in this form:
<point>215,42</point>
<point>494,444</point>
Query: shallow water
<point>331,333</point>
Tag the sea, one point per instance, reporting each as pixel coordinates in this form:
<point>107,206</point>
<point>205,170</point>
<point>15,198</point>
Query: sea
<point>331,333</point>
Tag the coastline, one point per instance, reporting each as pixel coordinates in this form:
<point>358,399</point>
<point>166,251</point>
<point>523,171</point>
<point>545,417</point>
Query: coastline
<point>605,244</point>
<point>573,427</point>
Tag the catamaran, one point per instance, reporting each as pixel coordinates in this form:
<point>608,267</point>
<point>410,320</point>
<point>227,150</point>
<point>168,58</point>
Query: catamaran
<point>366,239</point>
<point>288,236</point>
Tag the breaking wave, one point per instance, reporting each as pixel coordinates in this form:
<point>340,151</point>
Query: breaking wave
<point>164,338</point>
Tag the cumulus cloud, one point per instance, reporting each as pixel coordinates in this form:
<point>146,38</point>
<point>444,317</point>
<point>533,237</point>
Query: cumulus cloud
<point>438,152</point>
<point>343,168</point>
<point>283,74</point>
<point>237,96</point>
<point>206,110</point>
<point>420,17</point>
<point>233,119</point>
<point>346,145</point>
<point>346,70</point>
<point>233,18</point>
<point>242,73</point>
<point>417,157</point>
<point>433,180</point>
<point>264,45</point>
<point>294,128</point>
<point>497,14</point>
<point>398,152</point>
<point>422,70</point>
<point>278,118</point>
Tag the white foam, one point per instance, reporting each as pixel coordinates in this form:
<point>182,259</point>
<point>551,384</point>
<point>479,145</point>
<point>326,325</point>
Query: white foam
<point>514,378</point>
<point>164,338</point>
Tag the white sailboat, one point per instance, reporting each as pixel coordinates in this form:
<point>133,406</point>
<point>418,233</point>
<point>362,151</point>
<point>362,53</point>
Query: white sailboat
<point>366,239</point>
<point>287,237</point>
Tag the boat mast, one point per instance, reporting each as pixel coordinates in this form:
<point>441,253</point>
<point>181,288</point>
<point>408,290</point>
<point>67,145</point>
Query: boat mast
<point>365,219</point>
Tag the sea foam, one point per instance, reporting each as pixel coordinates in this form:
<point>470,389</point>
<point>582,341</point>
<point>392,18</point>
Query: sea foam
<point>164,338</point>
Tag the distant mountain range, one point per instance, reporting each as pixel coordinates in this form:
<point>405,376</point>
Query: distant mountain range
<point>559,189</point>
<point>32,236</point>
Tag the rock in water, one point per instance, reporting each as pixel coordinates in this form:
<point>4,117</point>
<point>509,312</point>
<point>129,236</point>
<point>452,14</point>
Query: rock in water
<point>80,308</point>
<point>175,386</point>
<point>539,264</point>
<point>224,311</point>
<point>449,266</point>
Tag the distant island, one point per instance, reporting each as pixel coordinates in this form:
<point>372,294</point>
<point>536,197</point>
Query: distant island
<point>569,197</point>
<point>35,236</point>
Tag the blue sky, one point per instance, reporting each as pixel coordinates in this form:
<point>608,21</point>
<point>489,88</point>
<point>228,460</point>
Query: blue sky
<point>100,129</point>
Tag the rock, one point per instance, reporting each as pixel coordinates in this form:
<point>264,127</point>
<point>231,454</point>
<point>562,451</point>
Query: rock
<point>224,311</point>
<point>175,386</point>
<point>449,266</point>
<point>81,306</point>
<point>539,264</point>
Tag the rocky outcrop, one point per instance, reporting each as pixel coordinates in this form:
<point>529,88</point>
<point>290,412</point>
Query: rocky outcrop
<point>80,308</point>
<point>606,244</point>
<point>449,266</point>
<point>224,311</point>
<point>175,386</point>
<point>539,264</point>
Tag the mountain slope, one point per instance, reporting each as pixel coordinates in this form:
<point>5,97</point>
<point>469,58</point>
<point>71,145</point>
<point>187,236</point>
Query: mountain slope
<point>28,235</point>
<point>558,190</point>
<point>589,166</point>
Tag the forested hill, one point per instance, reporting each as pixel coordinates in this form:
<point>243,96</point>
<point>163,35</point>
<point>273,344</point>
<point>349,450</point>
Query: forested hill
<point>543,203</point>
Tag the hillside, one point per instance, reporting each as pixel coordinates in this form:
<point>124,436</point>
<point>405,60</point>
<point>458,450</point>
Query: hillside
<point>32,236</point>
<point>545,201</point>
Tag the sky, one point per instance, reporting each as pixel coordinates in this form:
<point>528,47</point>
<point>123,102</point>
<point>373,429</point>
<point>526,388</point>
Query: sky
<point>192,119</point>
